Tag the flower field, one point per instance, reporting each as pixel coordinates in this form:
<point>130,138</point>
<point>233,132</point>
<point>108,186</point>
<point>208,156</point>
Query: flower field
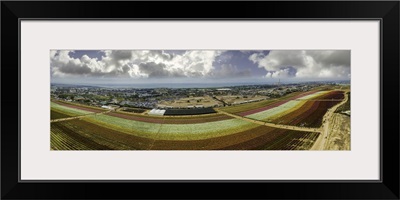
<point>171,120</point>
<point>136,117</point>
<point>131,131</point>
<point>57,115</point>
<point>279,108</point>
<point>273,111</point>
<point>243,140</point>
<point>337,95</point>
<point>83,135</point>
<point>294,141</point>
<point>254,107</point>
<point>304,96</point>
<point>80,106</point>
<point>171,131</point>
<point>311,113</point>
<point>66,110</point>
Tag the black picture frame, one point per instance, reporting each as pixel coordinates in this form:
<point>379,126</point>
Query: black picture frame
<point>386,11</point>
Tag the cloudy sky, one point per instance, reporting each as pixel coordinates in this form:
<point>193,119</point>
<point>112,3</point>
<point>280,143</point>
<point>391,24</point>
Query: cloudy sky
<point>197,66</point>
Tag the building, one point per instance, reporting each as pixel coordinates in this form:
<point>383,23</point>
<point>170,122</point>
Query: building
<point>110,107</point>
<point>223,89</point>
<point>157,112</point>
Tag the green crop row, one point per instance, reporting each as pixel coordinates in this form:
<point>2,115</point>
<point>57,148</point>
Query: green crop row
<point>172,131</point>
<point>67,110</point>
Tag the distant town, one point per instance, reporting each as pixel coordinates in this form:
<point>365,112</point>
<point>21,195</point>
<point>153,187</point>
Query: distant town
<point>176,98</point>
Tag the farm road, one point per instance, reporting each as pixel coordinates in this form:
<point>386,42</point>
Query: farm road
<point>78,117</point>
<point>288,127</point>
<point>320,142</point>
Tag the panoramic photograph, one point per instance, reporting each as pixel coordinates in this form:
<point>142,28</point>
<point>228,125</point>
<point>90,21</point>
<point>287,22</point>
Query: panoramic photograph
<point>200,100</point>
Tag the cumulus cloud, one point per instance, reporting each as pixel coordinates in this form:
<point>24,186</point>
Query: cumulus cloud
<point>64,64</point>
<point>284,72</point>
<point>154,70</point>
<point>199,64</point>
<point>304,64</point>
<point>138,63</point>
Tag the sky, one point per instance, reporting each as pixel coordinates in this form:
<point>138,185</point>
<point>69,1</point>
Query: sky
<point>197,66</point>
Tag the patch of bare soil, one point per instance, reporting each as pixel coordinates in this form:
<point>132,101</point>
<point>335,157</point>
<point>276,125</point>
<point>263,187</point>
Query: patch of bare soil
<point>339,137</point>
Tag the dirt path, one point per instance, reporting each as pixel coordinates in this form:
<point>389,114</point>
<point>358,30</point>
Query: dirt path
<point>321,140</point>
<point>288,127</point>
<point>78,117</point>
<point>158,133</point>
<point>339,133</point>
